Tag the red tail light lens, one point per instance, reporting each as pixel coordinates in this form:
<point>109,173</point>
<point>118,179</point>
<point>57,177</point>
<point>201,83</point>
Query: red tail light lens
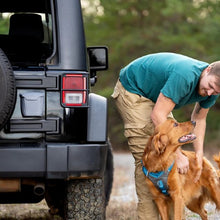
<point>74,90</point>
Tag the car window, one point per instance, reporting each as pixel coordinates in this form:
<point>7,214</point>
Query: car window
<point>47,24</point>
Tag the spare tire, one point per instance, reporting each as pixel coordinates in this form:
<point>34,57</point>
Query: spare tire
<point>7,89</point>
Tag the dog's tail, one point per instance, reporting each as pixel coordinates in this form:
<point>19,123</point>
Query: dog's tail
<point>217,159</point>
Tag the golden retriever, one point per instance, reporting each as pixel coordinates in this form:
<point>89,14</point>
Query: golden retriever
<point>159,155</point>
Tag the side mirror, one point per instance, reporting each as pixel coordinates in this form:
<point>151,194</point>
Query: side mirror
<point>98,58</point>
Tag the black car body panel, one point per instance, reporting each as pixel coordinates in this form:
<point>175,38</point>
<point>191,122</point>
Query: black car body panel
<point>53,161</point>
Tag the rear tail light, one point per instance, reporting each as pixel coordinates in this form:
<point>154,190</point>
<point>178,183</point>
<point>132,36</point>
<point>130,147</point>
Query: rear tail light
<point>74,90</point>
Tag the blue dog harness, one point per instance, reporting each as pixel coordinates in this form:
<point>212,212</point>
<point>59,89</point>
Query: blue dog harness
<point>159,179</point>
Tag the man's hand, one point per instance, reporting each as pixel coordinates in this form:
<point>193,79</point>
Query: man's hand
<point>199,116</point>
<point>182,162</point>
<point>199,161</point>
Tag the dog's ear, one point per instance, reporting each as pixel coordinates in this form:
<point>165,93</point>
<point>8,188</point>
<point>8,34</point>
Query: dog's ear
<point>160,142</point>
<point>217,159</point>
<point>149,143</point>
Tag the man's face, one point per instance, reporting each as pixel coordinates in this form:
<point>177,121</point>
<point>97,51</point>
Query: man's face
<point>207,84</point>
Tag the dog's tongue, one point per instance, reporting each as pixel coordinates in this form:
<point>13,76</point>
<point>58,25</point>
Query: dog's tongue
<point>186,138</point>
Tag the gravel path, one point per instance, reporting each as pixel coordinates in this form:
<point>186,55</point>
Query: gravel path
<point>122,204</point>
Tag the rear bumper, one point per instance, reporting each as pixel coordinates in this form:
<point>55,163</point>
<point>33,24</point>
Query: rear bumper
<point>53,161</point>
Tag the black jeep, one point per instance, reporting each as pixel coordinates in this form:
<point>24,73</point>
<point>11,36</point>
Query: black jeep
<point>53,130</point>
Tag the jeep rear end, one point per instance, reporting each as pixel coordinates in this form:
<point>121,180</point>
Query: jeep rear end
<point>53,138</point>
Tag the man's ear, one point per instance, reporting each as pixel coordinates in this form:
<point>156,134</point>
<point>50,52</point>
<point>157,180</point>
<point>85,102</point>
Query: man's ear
<point>208,68</point>
<point>160,142</point>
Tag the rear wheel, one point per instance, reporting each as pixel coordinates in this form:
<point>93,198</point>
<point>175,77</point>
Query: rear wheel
<point>83,198</point>
<point>109,172</point>
<point>7,89</point>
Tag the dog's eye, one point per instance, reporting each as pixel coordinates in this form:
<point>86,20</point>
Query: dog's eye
<point>175,124</point>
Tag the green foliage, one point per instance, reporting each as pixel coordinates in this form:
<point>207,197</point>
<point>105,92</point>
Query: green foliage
<point>4,23</point>
<point>137,27</point>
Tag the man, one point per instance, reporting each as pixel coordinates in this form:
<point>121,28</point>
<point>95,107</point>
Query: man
<point>149,88</point>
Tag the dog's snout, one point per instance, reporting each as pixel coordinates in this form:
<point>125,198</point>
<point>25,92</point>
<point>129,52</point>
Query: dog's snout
<point>194,123</point>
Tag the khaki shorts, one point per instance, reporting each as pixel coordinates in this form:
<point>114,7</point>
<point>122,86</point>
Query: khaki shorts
<point>135,111</point>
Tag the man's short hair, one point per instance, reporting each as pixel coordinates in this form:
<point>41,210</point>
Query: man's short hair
<point>215,70</point>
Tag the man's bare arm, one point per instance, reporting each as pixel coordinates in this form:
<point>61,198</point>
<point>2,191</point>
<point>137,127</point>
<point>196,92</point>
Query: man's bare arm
<point>162,109</point>
<point>199,115</point>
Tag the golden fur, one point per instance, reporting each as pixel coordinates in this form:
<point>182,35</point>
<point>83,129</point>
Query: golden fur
<point>159,155</point>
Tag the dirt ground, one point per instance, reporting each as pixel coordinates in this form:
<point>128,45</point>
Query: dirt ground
<point>122,204</point>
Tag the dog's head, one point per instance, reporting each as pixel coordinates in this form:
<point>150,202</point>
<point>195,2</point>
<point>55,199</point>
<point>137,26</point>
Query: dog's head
<point>173,134</point>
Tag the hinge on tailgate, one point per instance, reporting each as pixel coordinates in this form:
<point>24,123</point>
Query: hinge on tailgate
<point>27,81</point>
<point>50,126</point>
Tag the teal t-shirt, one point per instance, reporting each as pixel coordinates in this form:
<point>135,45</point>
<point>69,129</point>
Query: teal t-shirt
<point>175,76</point>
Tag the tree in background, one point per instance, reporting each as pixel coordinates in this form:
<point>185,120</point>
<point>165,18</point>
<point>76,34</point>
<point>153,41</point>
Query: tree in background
<point>132,28</point>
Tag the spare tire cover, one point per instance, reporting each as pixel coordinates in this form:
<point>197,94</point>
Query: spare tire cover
<point>7,89</point>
